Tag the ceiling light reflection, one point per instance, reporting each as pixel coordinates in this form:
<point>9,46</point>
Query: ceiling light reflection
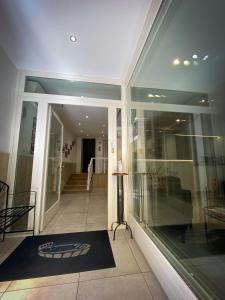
<point>186,62</point>
<point>176,62</point>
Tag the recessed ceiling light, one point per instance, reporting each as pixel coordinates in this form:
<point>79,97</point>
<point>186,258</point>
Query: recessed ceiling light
<point>178,120</point>
<point>186,62</point>
<point>102,131</point>
<point>86,116</point>
<point>103,135</point>
<point>87,134</point>
<point>157,96</point>
<point>203,101</point>
<point>194,56</point>
<point>73,38</point>
<point>176,62</point>
<point>150,96</point>
<point>79,124</point>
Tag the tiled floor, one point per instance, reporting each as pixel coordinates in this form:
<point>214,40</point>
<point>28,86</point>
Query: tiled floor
<point>131,279</point>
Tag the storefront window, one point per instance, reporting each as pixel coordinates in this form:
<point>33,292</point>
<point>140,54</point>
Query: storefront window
<point>176,141</point>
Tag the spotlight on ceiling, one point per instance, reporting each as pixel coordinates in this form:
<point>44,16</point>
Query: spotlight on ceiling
<point>194,56</point>
<point>86,116</point>
<point>73,39</point>
<point>178,120</point>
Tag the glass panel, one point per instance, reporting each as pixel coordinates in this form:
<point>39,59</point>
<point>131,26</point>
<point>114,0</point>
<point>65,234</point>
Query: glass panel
<point>53,187</point>
<point>178,159</point>
<point>72,88</point>
<point>25,155</point>
<point>182,61</point>
<point>119,140</point>
<point>178,188</point>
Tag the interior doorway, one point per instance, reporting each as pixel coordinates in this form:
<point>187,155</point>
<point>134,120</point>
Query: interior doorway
<point>88,151</point>
<point>83,200</point>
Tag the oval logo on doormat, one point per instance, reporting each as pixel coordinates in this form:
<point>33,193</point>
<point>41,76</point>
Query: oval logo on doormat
<point>54,250</point>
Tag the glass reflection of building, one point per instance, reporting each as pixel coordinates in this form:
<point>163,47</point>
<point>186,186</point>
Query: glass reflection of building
<point>177,151</point>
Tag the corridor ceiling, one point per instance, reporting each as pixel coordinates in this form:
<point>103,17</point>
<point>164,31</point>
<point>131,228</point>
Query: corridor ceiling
<point>35,34</point>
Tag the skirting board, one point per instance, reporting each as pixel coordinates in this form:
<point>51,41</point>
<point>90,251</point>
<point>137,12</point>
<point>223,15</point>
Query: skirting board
<point>50,213</point>
<point>170,280</point>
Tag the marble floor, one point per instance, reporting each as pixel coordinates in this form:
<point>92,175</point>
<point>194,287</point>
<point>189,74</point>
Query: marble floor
<point>132,278</point>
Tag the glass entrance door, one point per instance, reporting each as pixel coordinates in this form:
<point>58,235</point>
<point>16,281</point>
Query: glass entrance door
<point>54,167</point>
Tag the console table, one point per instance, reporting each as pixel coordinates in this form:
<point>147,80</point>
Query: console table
<point>120,205</point>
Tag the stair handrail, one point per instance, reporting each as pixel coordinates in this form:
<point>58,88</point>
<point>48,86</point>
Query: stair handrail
<point>91,169</point>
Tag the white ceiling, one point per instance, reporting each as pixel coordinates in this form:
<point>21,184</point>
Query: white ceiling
<point>35,35</point>
<point>72,115</point>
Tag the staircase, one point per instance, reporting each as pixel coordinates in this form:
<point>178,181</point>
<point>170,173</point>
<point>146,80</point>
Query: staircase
<point>77,182</point>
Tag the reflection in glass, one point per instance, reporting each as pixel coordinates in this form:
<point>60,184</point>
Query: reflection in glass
<point>65,87</point>
<point>53,187</point>
<point>178,158</point>
<point>178,186</point>
<point>119,137</point>
<point>25,155</point>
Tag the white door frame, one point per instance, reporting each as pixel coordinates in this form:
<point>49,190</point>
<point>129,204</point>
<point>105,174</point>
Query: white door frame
<point>39,162</point>
<point>45,216</point>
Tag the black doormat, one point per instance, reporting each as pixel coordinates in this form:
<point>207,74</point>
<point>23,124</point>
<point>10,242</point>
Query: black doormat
<point>57,254</point>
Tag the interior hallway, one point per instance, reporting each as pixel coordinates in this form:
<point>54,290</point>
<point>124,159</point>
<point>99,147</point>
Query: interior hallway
<point>131,279</point>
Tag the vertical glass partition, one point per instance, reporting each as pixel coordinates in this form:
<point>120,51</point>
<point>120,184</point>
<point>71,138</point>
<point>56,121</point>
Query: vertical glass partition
<point>53,183</point>
<point>25,154</point>
<point>176,141</point>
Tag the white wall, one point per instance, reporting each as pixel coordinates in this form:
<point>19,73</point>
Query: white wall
<point>8,76</point>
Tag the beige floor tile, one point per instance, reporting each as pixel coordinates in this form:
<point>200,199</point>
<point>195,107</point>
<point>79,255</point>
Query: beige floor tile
<point>119,234</point>
<point>3,256</point>
<point>96,226</point>
<point>130,287</point>
<point>142,262</point>
<point>63,229</point>
<point>96,218</point>
<point>4,285</point>
<point>124,260</point>
<point>154,286</point>
<point>57,292</point>
<point>42,281</point>
<point>10,243</point>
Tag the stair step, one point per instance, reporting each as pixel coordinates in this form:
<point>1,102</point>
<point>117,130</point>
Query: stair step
<point>70,181</point>
<point>75,186</point>
<point>73,191</point>
<point>77,182</point>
